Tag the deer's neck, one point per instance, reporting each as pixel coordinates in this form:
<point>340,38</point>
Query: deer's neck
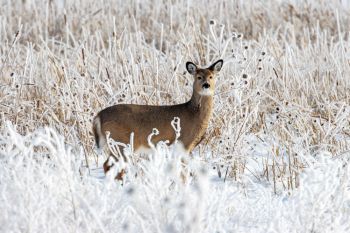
<point>201,105</point>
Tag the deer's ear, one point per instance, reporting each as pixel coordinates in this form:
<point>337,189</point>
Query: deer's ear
<point>216,66</point>
<point>191,67</point>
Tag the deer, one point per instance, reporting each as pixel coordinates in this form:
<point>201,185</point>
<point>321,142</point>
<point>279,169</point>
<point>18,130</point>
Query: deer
<point>123,119</point>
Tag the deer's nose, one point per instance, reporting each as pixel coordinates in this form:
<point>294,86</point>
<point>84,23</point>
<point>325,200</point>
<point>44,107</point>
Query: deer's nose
<point>206,85</point>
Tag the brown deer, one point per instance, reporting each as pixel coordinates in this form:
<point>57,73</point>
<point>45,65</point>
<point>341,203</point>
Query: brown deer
<point>123,119</point>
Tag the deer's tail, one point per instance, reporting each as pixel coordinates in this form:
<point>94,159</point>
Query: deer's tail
<point>96,128</point>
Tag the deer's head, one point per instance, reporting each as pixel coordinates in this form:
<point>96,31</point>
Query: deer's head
<point>204,78</point>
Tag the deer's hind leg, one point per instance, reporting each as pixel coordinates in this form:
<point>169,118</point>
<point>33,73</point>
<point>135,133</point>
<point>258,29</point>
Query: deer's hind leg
<point>111,161</point>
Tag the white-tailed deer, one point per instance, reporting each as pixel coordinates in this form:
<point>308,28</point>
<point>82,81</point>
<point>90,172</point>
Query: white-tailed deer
<point>123,119</point>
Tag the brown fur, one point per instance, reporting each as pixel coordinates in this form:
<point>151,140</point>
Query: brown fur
<point>123,119</point>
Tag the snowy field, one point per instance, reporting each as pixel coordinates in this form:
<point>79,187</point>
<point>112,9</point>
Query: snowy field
<point>276,154</point>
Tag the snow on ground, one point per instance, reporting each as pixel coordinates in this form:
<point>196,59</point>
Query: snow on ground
<point>45,188</point>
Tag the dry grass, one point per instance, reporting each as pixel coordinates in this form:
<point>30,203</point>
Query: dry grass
<point>285,83</point>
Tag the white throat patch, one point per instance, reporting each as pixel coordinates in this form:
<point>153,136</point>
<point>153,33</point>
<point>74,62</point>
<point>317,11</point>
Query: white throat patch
<point>206,92</point>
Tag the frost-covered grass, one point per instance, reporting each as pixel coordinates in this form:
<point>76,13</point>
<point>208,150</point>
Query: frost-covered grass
<point>279,137</point>
<point>45,189</point>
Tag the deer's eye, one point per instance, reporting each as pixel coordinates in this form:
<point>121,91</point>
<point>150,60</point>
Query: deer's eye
<point>199,78</point>
<point>211,77</point>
